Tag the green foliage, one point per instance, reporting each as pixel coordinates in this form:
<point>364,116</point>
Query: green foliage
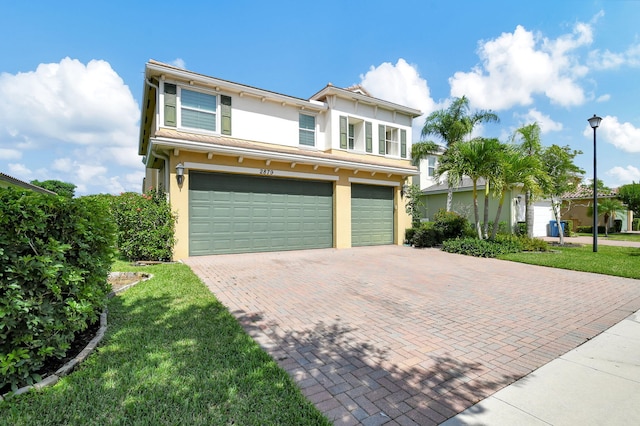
<point>521,228</point>
<point>427,236</point>
<point>471,246</point>
<point>589,229</point>
<point>61,188</point>
<point>414,204</point>
<point>635,225</point>
<point>146,225</point>
<point>56,253</point>
<point>447,225</point>
<point>451,225</point>
<point>408,234</point>
<point>502,244</point>
<point>630,195</point>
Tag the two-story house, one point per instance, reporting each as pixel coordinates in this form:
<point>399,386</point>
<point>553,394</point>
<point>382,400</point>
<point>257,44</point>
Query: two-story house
<point>248,169</point>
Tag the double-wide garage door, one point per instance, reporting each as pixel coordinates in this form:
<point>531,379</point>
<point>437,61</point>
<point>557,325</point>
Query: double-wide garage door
<point>242,214</point>
<point>371,215</point>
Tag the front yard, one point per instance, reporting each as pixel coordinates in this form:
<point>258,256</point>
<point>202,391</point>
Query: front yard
<point>609,260</point>
<point>172,355</point>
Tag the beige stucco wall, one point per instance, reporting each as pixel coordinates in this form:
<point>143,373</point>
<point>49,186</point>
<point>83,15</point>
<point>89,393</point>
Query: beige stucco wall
<point>179,195</point>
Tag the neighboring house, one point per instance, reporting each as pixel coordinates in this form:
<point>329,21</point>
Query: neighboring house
<point>263,171</point>
<point>575,205</point>
<point>513,208</point>
<point>8,181</point>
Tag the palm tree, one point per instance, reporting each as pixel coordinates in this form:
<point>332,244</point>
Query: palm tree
<point>531,146</point>
<point>477,158</point>
<point>518,169</point>
<point>452,125</point>
<point>607,207</point>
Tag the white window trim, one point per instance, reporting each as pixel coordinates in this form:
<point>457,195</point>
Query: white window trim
<point>396,142</point>
<point>315,129</point>
<point>179,110</point>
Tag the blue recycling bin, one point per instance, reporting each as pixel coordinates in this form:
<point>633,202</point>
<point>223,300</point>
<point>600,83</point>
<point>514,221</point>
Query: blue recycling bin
<point>553,228</point>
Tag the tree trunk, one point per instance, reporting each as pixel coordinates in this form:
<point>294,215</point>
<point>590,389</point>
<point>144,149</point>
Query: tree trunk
<point>449,197</point>
<point>494,231</point>
<point>529,213</point>
<point>556,213</point>
<point>476,213</point>
<point>485,224</point>
<point>606,225</point>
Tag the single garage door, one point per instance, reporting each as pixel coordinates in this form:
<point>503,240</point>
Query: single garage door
<point>242,214</point>
<point>371,215</point>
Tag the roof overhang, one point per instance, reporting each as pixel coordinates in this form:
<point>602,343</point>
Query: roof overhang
<point>364,99</point>
<point>163,144</point>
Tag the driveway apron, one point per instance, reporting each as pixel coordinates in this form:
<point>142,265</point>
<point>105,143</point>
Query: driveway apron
<point>395,335</point>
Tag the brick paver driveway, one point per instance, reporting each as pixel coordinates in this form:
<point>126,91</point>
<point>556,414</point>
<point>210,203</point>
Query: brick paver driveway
<point>395,335</point>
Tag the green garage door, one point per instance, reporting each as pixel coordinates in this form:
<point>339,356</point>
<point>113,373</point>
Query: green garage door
<point>243,214</point>
<point>371,215</point>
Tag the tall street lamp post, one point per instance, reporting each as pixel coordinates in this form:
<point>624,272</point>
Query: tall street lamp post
<point>594,122</point>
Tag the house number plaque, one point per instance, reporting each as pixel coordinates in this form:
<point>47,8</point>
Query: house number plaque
<point>266,172</point>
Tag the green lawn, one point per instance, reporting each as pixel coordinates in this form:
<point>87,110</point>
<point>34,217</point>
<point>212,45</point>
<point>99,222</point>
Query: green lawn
<point>609,260</point>
<point>615,237</point>
<point>172,355</point>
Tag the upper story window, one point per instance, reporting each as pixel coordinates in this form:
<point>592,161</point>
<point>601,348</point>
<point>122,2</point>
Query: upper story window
<point>431,166</point>
<point>392,141</point>
<point>352,136</point>
<point>307,130</point>
<point>355,134</point>
<point>198,110</point>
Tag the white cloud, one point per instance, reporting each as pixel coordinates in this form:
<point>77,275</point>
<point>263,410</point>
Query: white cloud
<point>605,60</point>
<point>73,122</point>
<point>20,171</point>
<point>516,66</point>
<point>544,121</point>
<point>604,98</point>
<point>179,62</point>
<point>624,175</point>
<point>10,154</point>
<point>624,136</point>
<point>400,83</point>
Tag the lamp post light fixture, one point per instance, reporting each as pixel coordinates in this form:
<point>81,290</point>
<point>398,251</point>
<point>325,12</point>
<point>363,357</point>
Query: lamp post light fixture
<point>594,122</point>
<point>180,174</point>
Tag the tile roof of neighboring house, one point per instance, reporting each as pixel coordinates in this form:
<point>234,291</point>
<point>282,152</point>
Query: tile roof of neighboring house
<point>586,191</point>
<point>17,182</point>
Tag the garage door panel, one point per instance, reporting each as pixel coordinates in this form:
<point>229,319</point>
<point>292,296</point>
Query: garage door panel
<point>237,213</point>
<point>371,215</point>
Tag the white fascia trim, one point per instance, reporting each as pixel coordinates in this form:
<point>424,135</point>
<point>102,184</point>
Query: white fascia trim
<point>234,87</point>
<point>373,182</point>
<point>280,156</point>
<point>257,171</point>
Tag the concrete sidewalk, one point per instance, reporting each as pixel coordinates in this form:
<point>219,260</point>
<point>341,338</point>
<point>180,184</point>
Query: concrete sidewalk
<point>602,240</point>
<point>597,383</point>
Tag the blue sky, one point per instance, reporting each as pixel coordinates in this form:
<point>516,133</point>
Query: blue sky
<point>71,72</point>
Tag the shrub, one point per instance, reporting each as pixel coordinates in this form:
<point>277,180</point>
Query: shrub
<point>482,248</point>
<point>427,236</point>
<point>55,254</point>
<point>521,228</point>
<point>146,226</point>
<point>451,225</point>
<point>635,225</point>
<point>408,235</point>
<point>589,229</point>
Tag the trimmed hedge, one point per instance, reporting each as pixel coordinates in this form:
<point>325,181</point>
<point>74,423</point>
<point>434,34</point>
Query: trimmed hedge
<point>55,254</point>
<point>447,225</point>
<point>146,225</point>
<point>503,244</point>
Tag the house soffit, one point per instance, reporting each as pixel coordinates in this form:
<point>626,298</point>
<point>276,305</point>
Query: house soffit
<point>166,139</point>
